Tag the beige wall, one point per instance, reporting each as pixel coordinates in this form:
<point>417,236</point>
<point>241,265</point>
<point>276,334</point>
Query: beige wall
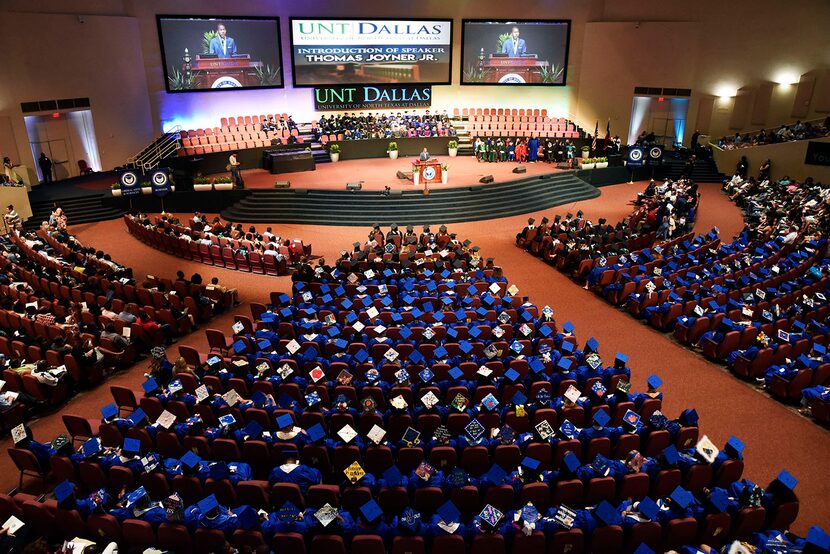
<point>114,58</point>
<point>785,159</point>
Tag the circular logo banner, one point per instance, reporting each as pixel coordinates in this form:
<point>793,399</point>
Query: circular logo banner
<point>635,155</point>
<point>160,181</point>
<point>429,173</point>
<point>512,78</point>
<point>226,82</point>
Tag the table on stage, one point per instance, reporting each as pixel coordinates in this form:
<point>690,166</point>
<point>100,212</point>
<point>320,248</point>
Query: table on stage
<point>212,70</point>
<point>524,69</point>
<point>430,170</point>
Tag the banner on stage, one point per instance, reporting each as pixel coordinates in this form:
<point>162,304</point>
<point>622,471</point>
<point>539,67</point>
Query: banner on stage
<point>370,97</point>
<point>636,156</point>
<point>368,51</point>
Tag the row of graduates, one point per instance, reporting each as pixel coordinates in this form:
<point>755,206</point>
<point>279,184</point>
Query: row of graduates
<point>531,149</point>
<point>370,518</point>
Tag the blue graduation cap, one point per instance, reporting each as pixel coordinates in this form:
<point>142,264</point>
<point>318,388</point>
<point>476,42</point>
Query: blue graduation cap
<point>64,491</point>
<point>452,333</point>
<point>207,504</point>
<point>286,313</point>
<point>512,375</point>
<point>689,418</point>
<point>466,347</point>
<point>461,315</point>
<point>416,313</point>
<point>818,538</point>
<point>671,455</point>
<point>258,398</point>
<point>568,327</point>
<point>405,332</point>
<point>371,511</point>
<point>545,330</point>
<point>316,432</point>
<point>253,430</point>
<point>361,355</point>
<point>109,411</point>
<point>495,474</point>
<point>472,290</point>
<point>607,513</point>
<point>735,445</point>
<point>682,497</point>
<point>456,373</point>
<point>568,346</point>
<point>649,508</point>
<point>332,332</point>
<point>530,464</point>
<point>91,447</point>
<point>440,352</point>
<point>190,459</point>
<point>448,512</point>
<point>263,344</point>
<point>568,429</point>
<point>427,306</point>
<point>602,418</point>
<point>644,549</point>
<point>564,364</point>
<point>393,476</point>
<point>366,301</point>
<point>268,317</point>
<point>346,304</point>
<point>219,471</point>
<point>482,312</point>
<point>654,382</point>
<point>592,344</point>
<point>396,317</point>
<point>247,517</point>
<point>475,332</point>
<point>341,344</point>
<point>284,420</point>
<point>527,316</point>
<point>131,446</point>
<point>438,316</point>
<point>239,346</point>
<point>519,398</point>
<point>787,479</point>
<point>150,385</point>
<point>819,349</point>
<point>571,462</point>
<point>620,359</point>
<point>719,499</point>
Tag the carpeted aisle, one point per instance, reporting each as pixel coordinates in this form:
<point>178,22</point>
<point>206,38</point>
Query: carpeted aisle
<point>775,435</point>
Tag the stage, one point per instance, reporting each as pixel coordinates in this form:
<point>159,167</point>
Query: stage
<point>376,173</point>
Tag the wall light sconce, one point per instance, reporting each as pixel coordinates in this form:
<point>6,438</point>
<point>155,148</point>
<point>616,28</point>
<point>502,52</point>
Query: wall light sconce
<point>726,91</point>
<point>786,78</point>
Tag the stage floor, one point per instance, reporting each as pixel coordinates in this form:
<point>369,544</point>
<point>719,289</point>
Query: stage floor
<point>376,173</point>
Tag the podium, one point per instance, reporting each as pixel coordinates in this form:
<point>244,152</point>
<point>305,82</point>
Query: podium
<point>430,171</point>
<point>501,69</point>
<point>213,72</point>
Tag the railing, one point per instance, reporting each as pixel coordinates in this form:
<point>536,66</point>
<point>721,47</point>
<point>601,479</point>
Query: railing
<point>747,138</point>
<point>164,146</point>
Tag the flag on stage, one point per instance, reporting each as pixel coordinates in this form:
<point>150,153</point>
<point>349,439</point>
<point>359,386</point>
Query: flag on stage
<point>607,133</point>
<point>594,141</point>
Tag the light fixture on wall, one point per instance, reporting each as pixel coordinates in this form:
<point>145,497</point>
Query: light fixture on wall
<point>726,90</point>
<point>786,77</point>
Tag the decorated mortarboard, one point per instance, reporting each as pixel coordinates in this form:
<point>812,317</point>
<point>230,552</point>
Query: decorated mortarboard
<point>565,516</point>
<point>681,497</point>
<point>91,447</point>
<point>599,389</point>
<point>490,402</point>
<point>64,491</point>
<point>354,472</point>
<point>190,459</point>
<point>131,446</point>
<point>347,433</point>
<point>149,386</point>
<point>607,513</point>
<point>401,375</point>
<point>706,449</point>
<point>425,374</point>
<point>312,398</point>
<point>425,471</point>
<point>654,382</point>
<point>631,418</point>
<point>787,479</point>
<point>227,420</point>
<point>109,411</point>
<point>326,514</point>
<point>568,429</point>
<point>601,418</point>
<point>429,400</point>
<point>474,429</point>
<point>399,402</point>
<point>648,508</point>
<point>412,437</point>
<point>410,519</point>
<point>491,515</point>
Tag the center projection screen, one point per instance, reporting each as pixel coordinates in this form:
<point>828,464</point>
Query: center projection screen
<point>371,51</point>
<point>515,52</point>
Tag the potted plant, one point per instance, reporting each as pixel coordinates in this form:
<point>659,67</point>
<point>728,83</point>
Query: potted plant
<point>201,184</point>
<point>416,175</point>
<point>393,151</point>
<point>588,163</point>
<point>334,152</point>
<point>445,173</point>
<point>116,189</point>
<point>602,163</point>
<point>585,151</point>
<point>452,148</point>
<point>146,188</point>
<point>223,183</point>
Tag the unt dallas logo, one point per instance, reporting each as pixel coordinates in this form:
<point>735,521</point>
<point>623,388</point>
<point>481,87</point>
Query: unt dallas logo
<point>226,82</point>
<point>429,173</point>
<point>512,78</point>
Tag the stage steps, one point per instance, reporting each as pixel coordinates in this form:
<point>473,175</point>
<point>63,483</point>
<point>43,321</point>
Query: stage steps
<point>705,171</point>
<point>473,203</point>
<point>79,209</point>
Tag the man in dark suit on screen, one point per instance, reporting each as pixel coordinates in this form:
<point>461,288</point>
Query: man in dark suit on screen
<point>222,45</point>
<point>514,46</point>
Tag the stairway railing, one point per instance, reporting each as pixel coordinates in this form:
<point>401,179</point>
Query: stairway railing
<point>162,147</point>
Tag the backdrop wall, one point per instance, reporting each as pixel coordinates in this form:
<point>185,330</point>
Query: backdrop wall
<point>710,46</point>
